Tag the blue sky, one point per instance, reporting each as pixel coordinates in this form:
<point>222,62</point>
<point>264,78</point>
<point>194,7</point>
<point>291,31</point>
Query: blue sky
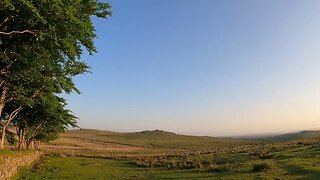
<point>204,67</point>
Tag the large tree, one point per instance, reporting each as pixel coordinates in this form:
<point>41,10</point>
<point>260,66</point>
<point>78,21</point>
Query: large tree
<point>41,42</point>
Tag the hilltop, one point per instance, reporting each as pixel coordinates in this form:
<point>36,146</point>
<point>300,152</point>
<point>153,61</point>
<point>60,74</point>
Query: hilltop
<point>296,135</point>
<point>157,132</point>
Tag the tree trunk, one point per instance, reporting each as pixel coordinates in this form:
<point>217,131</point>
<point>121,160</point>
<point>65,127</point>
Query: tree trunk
<point>11,117</point>
<point>1,107</point>
<point>2,103</point>
<point>29,144</point>
<point>3,135</point>
<point>37,144</point>
<point>3,127</point>
<point>3,98</point>
<point>22,139</point>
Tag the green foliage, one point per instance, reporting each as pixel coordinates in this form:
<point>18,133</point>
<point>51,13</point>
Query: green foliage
<point>44,120</point>
<point>41,43</point>
<point>261,167</point>
<point>12,140</point>
<point>47,58</point>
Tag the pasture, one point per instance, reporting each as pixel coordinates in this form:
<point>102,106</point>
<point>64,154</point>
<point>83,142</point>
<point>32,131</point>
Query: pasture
<point>92,154</point>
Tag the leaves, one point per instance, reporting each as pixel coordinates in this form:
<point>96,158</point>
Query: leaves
<point>42,42</point>
<point>45,119</point>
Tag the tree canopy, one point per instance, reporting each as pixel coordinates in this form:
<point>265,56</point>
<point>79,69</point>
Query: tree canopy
<point>43,121</point>
<point>41,43</point>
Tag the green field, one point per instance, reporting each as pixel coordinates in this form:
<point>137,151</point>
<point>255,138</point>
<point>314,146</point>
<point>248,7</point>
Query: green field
<point>168,157</point>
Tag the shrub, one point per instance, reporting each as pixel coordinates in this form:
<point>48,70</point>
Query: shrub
<point>197,164</point>
<point>206,162</point>
<point>172,165</point>
<point>180,165</point>
<point>220,168</point>
<point>261,167</point>
<point>185,165</point>
<point>224,167</point>
<point>141,163</point>
<point>221,161</point>
<point>266,156</point>
<point>254,153</point>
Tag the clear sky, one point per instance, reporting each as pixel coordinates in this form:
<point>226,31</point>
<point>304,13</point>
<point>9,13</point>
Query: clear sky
<point>204,67</point>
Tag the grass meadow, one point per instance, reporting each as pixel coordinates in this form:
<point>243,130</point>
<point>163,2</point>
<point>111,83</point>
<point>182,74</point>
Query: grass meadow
<point>162,155</point>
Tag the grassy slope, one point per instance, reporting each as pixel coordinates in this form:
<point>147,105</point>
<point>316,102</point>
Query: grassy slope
<point>304,165</point>
<point>290,160</point>
<point>296,135</point>
<point>148,139</point>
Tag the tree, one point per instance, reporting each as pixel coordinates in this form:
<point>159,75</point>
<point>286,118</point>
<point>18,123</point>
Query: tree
<point>41,42</point>
<point>43,121</point>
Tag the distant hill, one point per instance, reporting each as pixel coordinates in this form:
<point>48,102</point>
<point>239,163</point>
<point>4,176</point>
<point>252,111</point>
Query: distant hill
<point>157,132</point>
<point>87,139</point>
<point>295,135</point>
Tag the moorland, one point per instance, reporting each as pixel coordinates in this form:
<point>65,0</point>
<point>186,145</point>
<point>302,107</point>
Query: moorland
<point>157,154</point>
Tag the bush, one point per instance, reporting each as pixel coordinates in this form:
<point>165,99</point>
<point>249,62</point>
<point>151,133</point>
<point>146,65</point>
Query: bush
<point>206,162</point>
<point>172,165</point>
<point>261,167</point>
<point>141,163</point>
<point>197,164</point>
<point>266,156</point>
<point>254,153</point>
<point>185,165</point>
<point>220,168</point>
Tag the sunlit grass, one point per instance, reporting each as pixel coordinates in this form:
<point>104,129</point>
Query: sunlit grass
<point>207,158</point>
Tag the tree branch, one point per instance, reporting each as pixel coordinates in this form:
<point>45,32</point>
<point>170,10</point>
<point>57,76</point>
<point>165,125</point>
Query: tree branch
<point>19,32</point>
<point>37,91</point>
<point>12,115</point>
<point>2,83</point>
<point>15,112</point>
<point>5,21</point>
<point>35,131</point>
<point>5,70</point>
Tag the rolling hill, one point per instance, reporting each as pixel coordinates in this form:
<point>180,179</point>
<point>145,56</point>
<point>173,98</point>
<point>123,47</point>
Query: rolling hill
<point>151,141</point>
<point>296,135</point>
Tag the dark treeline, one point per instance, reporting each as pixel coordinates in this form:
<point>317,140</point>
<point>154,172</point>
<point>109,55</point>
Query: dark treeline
<point>41,43</point>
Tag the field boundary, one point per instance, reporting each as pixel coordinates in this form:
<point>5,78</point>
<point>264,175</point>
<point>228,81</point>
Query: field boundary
<point>10,164</point>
